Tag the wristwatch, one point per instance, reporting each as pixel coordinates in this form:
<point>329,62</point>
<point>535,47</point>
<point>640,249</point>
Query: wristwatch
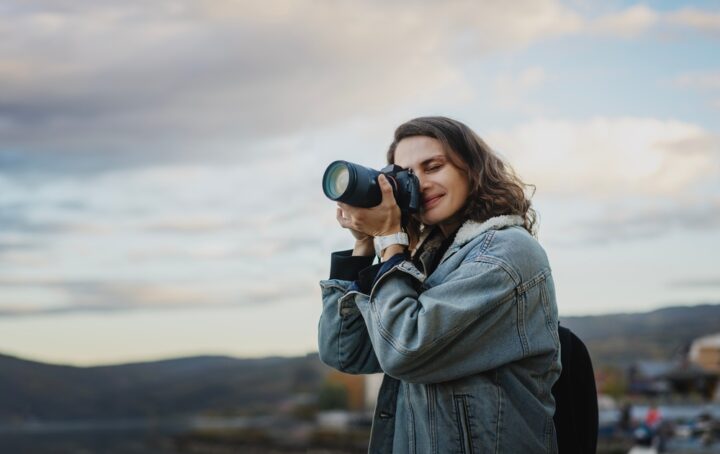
<point>383,242</point>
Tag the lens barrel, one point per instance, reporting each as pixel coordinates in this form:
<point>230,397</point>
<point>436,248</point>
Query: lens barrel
<point>352,184</point>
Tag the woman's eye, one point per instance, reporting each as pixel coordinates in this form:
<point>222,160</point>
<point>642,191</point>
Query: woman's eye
<point>433,168</point>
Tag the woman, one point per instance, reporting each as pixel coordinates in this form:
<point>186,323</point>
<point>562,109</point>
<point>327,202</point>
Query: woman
<point>463,319</point>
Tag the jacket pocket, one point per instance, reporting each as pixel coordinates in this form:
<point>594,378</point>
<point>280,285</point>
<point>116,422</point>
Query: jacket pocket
<point>463,424</point>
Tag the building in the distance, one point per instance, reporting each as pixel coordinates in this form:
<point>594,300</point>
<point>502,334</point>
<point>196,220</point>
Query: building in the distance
<point>705,352</point>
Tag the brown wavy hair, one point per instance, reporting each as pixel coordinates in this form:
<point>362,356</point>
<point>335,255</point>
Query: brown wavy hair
<point>495,189</point>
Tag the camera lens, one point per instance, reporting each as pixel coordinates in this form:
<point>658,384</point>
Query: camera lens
<point>352,184</point>
<point>337,178</point>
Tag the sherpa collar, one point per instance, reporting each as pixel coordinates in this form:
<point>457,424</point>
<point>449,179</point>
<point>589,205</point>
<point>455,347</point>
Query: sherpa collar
<point>471,229</point>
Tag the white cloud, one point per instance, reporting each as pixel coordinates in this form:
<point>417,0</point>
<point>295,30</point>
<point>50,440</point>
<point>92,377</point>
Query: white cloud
<point>705,21</point>
<point>627,23</point>
<point>219,81</point>
<point>611,157</point>
<point>699,80</point>
<point>58,295</point>
<point>707,82</point>
<point>101,84</point>
<point>138,81</point>
<point>511,92</point>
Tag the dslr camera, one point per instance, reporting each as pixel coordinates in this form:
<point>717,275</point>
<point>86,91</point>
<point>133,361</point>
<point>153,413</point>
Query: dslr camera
<point>358,186</point>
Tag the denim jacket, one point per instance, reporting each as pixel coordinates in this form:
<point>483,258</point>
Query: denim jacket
<point>470,352</point>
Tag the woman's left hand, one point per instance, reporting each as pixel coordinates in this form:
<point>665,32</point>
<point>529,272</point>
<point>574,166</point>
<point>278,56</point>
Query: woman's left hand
<point>380,220</point>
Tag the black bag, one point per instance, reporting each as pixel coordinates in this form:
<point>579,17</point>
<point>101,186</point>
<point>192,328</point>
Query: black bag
<point>576,406</point>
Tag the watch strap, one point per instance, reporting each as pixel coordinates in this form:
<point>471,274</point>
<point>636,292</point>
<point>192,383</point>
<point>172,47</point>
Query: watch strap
<point>383,242</point>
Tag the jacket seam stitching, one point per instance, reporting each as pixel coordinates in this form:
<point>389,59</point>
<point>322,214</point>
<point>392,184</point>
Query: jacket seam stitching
<point>500,263</point>
<point>387,335</point>
<point>486,242</point>
<point>520,311</point>
<point>411,415</point>
<point>549,324</point>
<point>500,414</point>
<point>339,348</point>
<point>458,421</point>
<point>330,286</point>
<point>532,282</point>
<point>431,416</point>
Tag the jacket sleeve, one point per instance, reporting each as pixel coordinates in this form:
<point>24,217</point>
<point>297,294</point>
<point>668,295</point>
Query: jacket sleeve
<point>471,322</point>
<point>343,340</point>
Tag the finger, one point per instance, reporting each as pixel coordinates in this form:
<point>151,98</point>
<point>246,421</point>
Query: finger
<point>350,211</point>
<point>387,191</point>
<point>385,185</point>
<point>344,223</point>
<point>340,216</point>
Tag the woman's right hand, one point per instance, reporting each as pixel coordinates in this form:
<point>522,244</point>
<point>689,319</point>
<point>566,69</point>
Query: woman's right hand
<point>363,242</point>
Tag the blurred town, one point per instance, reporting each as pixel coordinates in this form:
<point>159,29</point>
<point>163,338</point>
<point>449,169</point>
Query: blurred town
<point>290,405</point>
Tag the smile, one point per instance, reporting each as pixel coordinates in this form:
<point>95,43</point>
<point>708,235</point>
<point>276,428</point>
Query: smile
<point>431,202</point>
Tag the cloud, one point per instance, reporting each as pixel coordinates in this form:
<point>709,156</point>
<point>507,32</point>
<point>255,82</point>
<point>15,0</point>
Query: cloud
<point>627,178</point>
<point>628,23</point>
<point>96,85</point>
<point>707,82</point>
<point>712,282</point>
<point>20,219</point>
<point>705,21</point>
<point>178,78</point>
<point>699,81</point>
<point>22,245</point>
<point>611,157</point>
<point>511,91</point>
<point>623,224</point>
<point>121,296</point>
<point>14,219</point>
<point>200,225</point>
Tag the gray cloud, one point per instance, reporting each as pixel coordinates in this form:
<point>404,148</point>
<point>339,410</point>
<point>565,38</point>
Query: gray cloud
<point>109,296</point>
<point>134,82</point>
<point>15,219</point>
<point>11,246</point>
<point>91,85</point>
<point>617,223</point>
<point>643,224</point>
<point>171,78</point>
<point>713,282</point>
<point>116,307</point>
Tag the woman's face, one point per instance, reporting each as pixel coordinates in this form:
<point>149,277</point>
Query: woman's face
<point>444,186</point>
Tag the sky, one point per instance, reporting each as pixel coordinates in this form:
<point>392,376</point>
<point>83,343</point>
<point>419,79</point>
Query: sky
<point>160,162</point>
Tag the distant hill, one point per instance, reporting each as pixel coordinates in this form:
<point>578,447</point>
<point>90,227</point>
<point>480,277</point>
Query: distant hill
<point>222,385</point>
<point>36,391</point>
<point>620,339</point>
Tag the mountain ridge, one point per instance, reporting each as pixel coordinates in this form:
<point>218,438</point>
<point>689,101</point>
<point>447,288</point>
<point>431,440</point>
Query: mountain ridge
<point>218,384</point>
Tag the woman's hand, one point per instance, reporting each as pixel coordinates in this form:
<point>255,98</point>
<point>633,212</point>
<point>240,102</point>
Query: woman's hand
<point>363,243</point>
<point>366,223</point>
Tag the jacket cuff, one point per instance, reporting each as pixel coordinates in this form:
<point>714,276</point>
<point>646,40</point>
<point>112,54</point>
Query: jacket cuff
<point>346,267</point>
<point>370,275</point>
<point>390,263</point>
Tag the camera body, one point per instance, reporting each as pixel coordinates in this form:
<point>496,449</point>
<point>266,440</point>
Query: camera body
<point>358,186</point>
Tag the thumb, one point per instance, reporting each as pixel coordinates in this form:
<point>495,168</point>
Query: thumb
<point>385,185</point>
